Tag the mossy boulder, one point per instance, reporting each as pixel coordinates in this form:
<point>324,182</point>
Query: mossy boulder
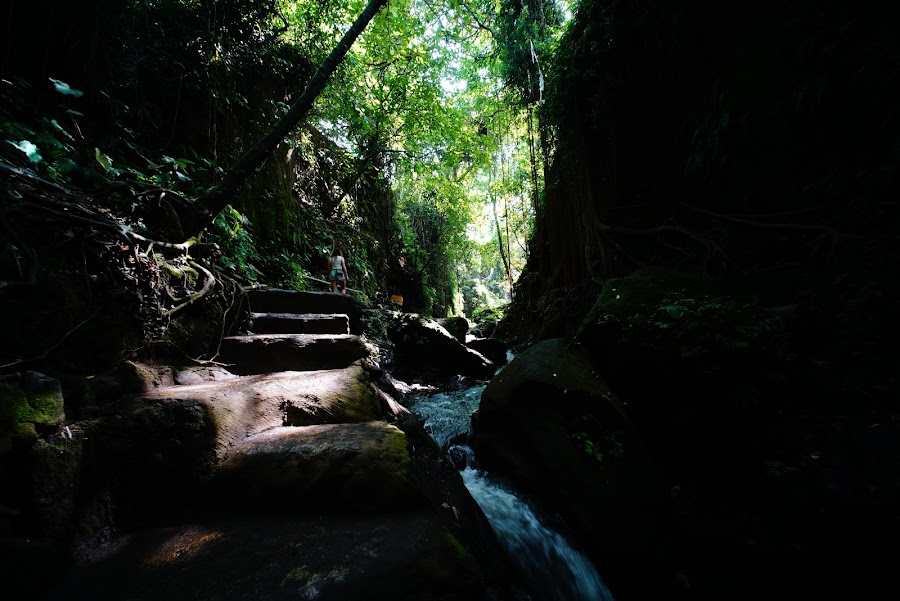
<point>675,314</point>
<point>689,358</point>
<point>552,425</point>
<point>29,402</point>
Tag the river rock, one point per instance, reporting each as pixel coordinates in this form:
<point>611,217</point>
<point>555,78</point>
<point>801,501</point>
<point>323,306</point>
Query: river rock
<point>457,326</point>
<point>29,402</point>
<point>492,348</point>
<point>551,424</point>
<point>424,343</point>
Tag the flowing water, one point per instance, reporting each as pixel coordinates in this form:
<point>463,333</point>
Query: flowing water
<point>552,569</point>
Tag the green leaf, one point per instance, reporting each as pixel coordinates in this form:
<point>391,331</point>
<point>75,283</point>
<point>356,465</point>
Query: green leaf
<point>30,150</point>
<point>63,88</point>
<point>675,311</point>
<point>104,160</point>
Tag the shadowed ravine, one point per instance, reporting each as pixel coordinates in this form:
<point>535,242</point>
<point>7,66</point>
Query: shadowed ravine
<point>551,568</point>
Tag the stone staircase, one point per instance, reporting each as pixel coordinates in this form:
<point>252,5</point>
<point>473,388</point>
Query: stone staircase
<point>296,331</point>
<point>291,479</point>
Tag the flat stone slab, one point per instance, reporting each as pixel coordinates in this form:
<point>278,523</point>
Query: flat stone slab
<point>365,466</point>
<point>267,353</point>
<point>243,406</point>
<point>299,323</point>
<point>292,301</point>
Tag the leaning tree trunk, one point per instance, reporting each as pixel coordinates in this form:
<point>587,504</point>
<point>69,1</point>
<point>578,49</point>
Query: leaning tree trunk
<point>211,203</point>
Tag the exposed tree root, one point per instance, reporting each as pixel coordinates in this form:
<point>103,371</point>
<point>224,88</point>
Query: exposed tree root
<point>207,286</point>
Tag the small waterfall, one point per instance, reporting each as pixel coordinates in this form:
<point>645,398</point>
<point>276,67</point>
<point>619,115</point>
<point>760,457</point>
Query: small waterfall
<point>552,569</point>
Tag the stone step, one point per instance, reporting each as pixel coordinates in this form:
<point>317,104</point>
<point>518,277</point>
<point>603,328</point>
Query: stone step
<point>292,301</point>
<point>268,353</point>
<point>299,323</point>
<point>366,465</point>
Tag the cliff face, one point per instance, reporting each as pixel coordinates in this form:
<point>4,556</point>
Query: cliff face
<point>755,146</point>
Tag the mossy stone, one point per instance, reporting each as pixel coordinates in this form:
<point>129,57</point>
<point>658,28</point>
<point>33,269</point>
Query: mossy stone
<point>28,401</point>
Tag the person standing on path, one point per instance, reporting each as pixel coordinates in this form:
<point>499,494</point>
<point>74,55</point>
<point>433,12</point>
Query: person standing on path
<point>338,271</point>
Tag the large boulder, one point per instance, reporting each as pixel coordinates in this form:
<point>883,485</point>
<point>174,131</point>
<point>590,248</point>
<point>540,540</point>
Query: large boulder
<point>425,344</point>
<point>551,424</point>
<point>492,348</point>
<point>656,331</point>
<point>29,402</point>
<point>457,326</point>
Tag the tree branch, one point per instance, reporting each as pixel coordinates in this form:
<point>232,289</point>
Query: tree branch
<point>210,203</point>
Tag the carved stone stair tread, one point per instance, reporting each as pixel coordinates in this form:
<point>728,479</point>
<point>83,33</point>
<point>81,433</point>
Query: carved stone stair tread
<point>364,465</point>
<point>268,353</point>
<point>294,301</point>
<point>300,323</point>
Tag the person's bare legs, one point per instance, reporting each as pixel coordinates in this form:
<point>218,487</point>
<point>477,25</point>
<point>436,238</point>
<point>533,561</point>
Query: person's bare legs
<point>333,286</point>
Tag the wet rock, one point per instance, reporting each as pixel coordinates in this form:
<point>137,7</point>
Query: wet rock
<point>492,348</point>
<point>423,343</point>
<point>551,425</point>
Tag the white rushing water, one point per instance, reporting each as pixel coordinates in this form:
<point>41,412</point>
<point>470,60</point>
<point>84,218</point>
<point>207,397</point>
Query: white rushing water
<point>552,569</point>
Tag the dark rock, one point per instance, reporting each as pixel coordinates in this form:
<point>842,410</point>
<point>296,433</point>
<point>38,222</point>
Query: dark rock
<point>551,425</point>
<point>409,556</point>
<point>656,331</point>
<point>492,348</point>
<point>424,343</point>
<point>267,353</point>
<point>457,326</point>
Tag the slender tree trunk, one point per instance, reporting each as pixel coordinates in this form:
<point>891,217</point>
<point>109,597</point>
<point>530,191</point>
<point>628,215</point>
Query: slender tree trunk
<point>501,246</point>
<point>211,203</point>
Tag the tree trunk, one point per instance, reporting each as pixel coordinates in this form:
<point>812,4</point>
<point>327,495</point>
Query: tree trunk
<point>211,203</point>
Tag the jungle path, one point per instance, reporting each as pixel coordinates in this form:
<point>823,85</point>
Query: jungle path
<point>296,479</point>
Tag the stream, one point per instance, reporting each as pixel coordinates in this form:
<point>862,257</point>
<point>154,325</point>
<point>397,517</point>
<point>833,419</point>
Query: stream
<point>549,566</point>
